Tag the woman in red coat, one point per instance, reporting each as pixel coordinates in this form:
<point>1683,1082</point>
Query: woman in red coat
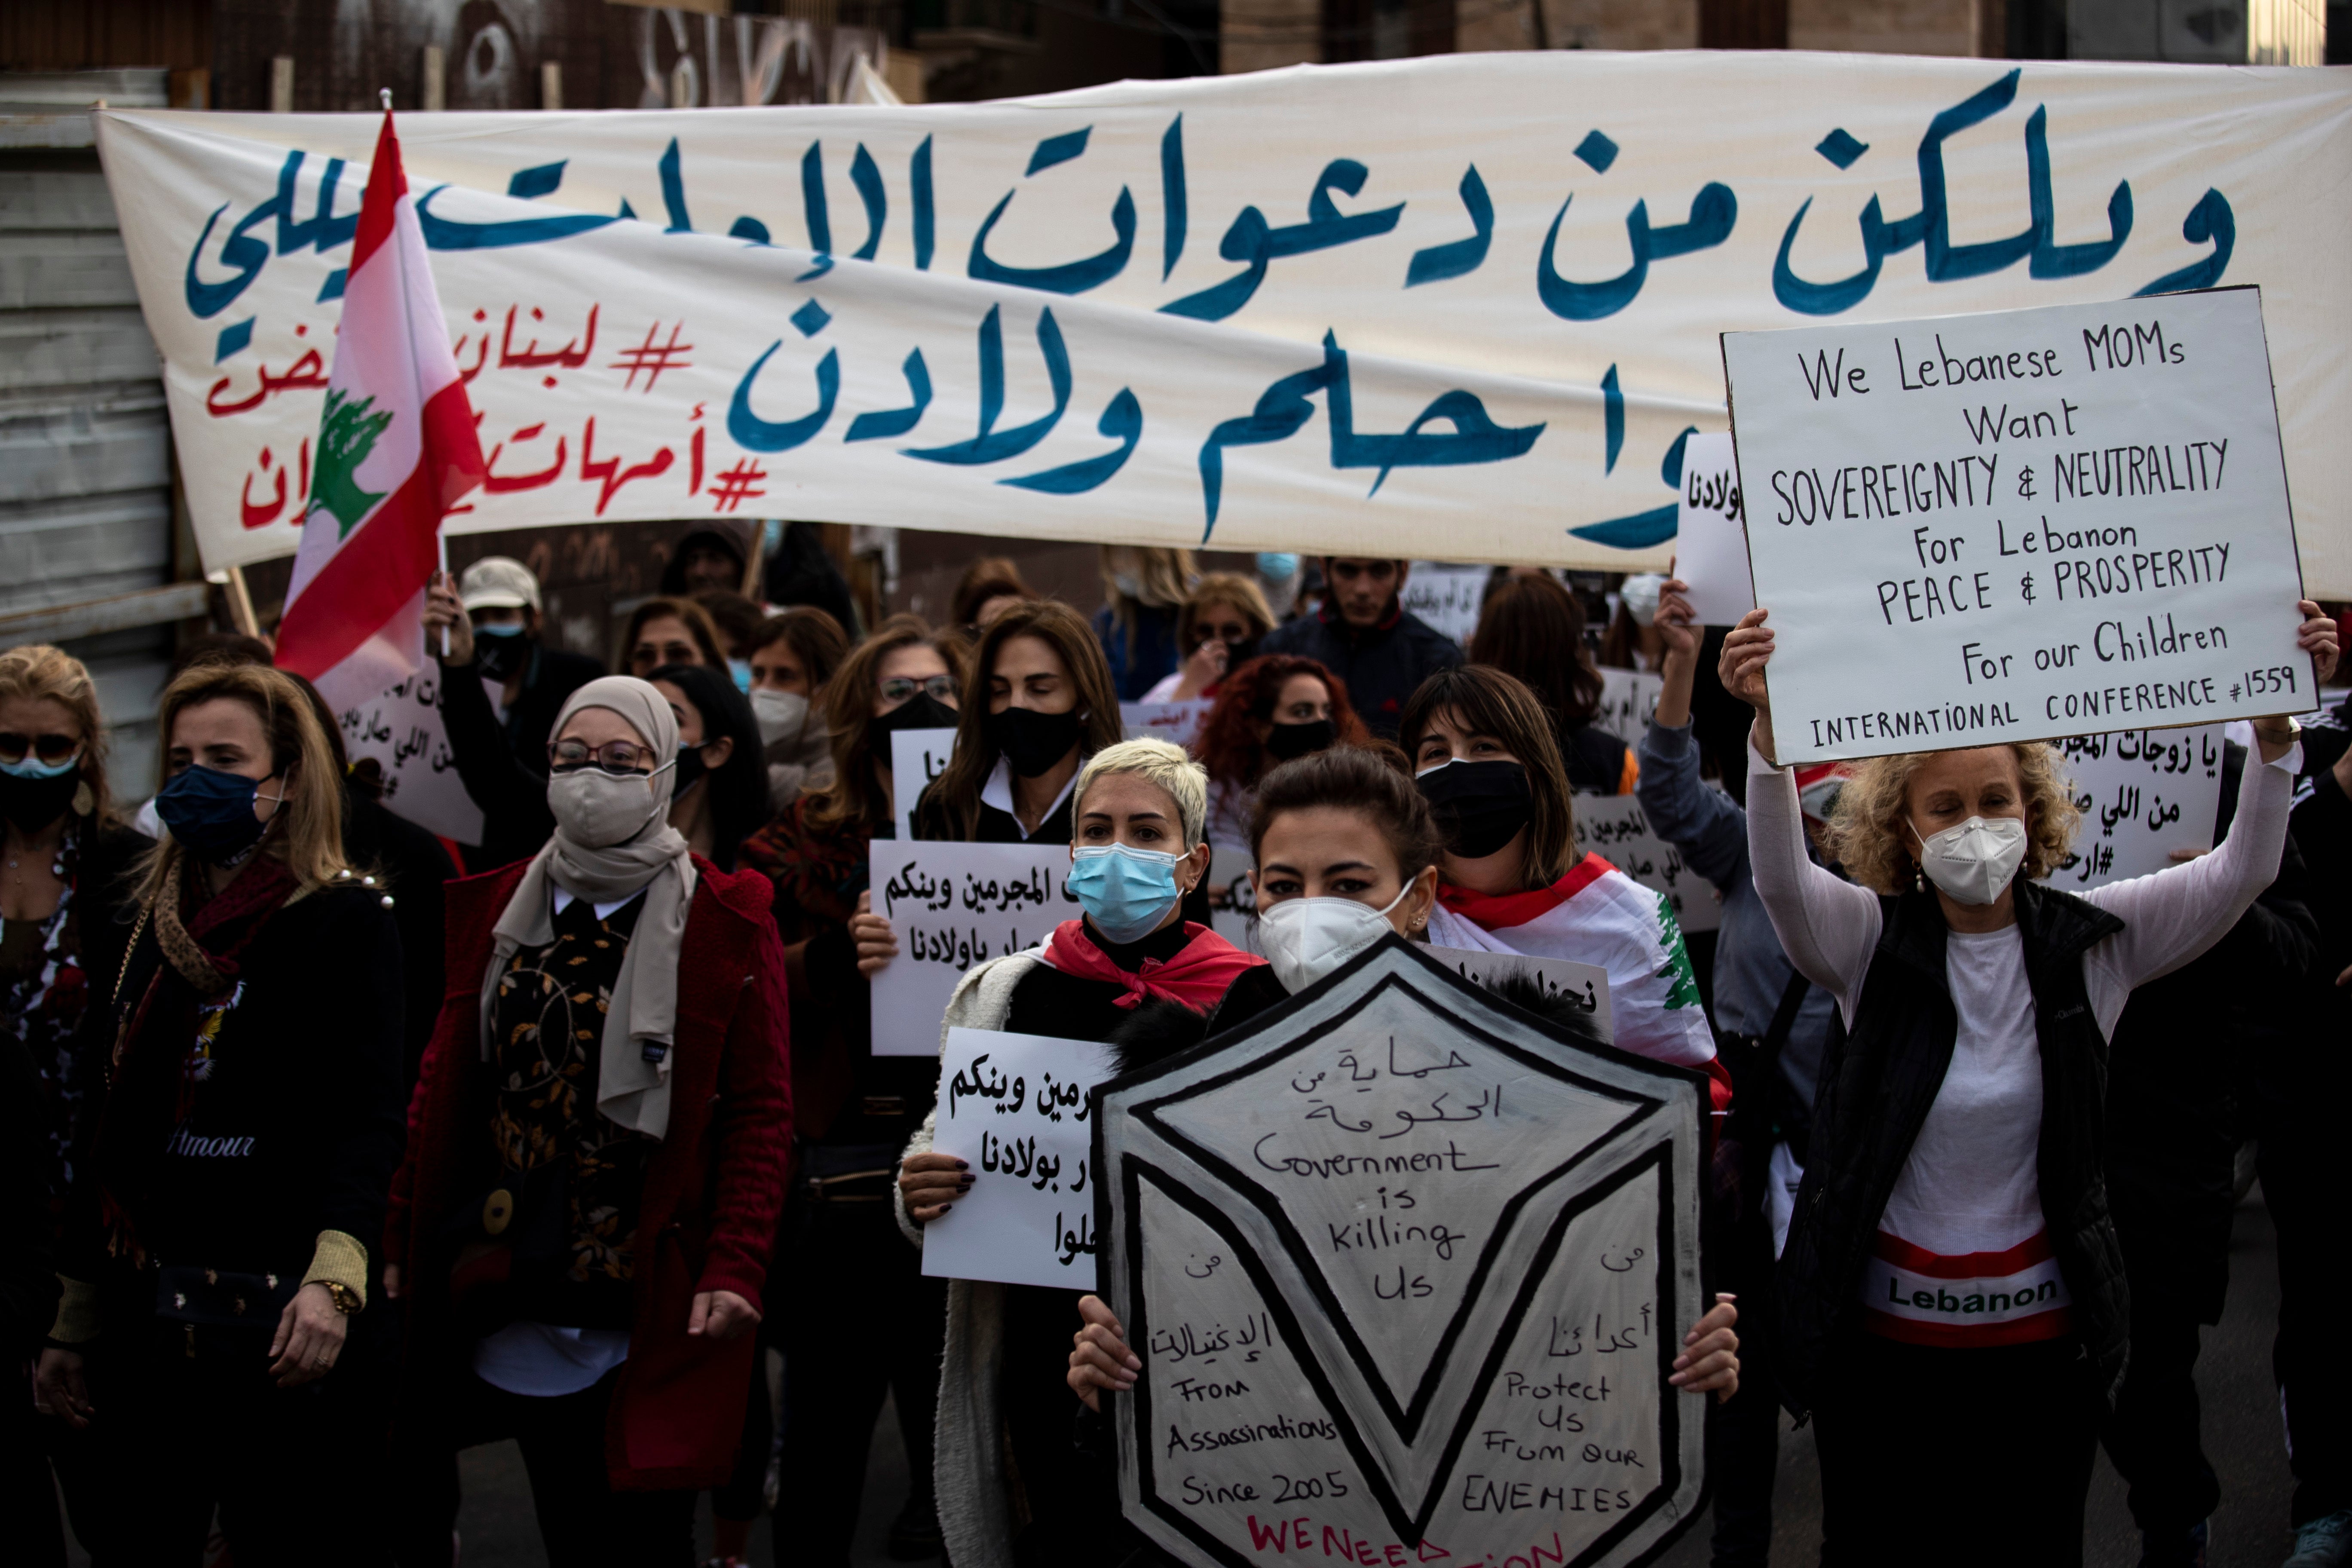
<point>596,1159</point>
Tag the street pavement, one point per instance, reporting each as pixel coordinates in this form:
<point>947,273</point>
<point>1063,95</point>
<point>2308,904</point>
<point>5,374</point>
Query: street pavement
<point>2242,1437</point>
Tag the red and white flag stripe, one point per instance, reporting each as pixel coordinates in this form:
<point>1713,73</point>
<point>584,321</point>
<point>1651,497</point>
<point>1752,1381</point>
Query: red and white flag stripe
<point>396,449</point>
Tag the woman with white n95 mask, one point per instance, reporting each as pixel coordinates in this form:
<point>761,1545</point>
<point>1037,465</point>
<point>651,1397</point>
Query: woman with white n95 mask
<point>1951,1239</point>
<point>1139,810</point>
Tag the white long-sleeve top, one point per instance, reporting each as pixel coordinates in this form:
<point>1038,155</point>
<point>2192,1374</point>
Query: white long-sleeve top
<point>1967,1208</point>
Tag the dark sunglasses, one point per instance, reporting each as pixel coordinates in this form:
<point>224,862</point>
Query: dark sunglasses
<point>613,757</point>
<point>901,689</point>
<point>49,749</point>
<point>1227,631</point>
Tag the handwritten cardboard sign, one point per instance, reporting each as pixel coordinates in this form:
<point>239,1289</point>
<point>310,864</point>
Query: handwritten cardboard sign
<point>953,906</point>
<point>1233,897</point>
<point>917,757</point>
<point>1176,723</point>
<point>2143,793</point>
<point>2018,526</point>
<point>1710,534</point>
<point>1015,1108</point>
<point>401,731</point>
<point>1616,828</point>
<point>1586,984</point>
<point>1408,1271</point>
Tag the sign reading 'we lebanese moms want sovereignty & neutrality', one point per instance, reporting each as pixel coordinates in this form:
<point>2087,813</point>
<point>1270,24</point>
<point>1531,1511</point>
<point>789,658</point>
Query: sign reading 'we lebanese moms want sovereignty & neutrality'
<point>2017,526</point>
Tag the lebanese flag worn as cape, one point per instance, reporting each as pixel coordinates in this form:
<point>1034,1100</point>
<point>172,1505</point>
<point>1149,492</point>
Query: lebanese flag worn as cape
<point>396,449</point>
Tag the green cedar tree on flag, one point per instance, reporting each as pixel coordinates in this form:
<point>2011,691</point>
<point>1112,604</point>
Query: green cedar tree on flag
<point>397,450</point>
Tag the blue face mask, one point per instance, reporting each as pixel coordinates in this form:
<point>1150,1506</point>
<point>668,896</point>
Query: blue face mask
<point>210,813</point>
<point>1125,892</point>
<point>740,669</point>
<point>1277,566</point>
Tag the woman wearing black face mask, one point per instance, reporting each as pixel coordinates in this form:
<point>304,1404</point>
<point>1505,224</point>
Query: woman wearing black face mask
<point>720,797</point>
<point>1510,879</point>
<point>63,925</point>
<point>851,1309</point>
<point>217,1244</point>
<point>1270,710</point>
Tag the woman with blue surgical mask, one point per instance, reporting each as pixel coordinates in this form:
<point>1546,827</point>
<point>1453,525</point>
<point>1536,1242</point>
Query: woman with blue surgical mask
<point>1951,1239</point>
<point>1139,847</point>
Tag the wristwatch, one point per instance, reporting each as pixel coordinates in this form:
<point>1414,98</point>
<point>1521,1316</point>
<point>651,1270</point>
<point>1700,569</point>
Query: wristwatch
<point>347,1301</point>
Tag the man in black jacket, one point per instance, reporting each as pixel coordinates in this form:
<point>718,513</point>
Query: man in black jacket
<point>1365,636</point>
<point>501,688</point>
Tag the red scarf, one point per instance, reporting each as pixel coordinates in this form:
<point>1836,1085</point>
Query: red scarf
<point>1501,911</point>
<point>1197,976</point>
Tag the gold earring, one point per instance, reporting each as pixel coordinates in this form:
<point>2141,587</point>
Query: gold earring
<point>85,799</point>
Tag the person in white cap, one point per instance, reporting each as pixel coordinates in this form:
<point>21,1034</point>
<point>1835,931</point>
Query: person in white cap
<point>501,689</point>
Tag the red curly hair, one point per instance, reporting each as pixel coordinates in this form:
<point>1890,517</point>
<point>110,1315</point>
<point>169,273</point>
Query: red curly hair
<point>1228,745</point>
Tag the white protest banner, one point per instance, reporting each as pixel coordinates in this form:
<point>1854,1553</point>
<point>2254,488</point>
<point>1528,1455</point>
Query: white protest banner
<point>1616,828</point>
<point>1711,543</point>
<point>1448,597</point>
<point>1587,985</point>
<point>1407,1269</point>
<point>1014,1109</point>
<point>402,732</point>
<point>1263,312</point>
<point>2019,526</point>
<point>2143,793</point>
<point>917,757</point>
<point>1628,699</point>
<point>952,905</point>
<point>1178,723</point>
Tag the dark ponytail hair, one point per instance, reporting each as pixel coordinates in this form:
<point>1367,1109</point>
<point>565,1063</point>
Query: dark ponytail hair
<point>1358,779</point>
<point>738,787</point>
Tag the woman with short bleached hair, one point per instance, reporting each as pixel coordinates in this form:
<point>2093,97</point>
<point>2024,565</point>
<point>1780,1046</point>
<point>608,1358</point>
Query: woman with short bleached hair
<point>1952,1301</point>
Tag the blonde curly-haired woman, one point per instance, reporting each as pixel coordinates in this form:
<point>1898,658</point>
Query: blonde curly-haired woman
<point>1952,1300</point>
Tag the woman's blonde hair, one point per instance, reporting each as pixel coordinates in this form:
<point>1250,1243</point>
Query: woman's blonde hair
<point>1868,833</point>
<point>1163,576</point>
<point>311,841</point>
<point>1164,766</point>
<point>44,673</point>
<point>1230,589</point>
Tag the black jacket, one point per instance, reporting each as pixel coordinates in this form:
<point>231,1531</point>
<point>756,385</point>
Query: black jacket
<point>801,572</point>
<point>1877,1083</point>
<point>1383,666</point>
<point>2181,1049</point>
<point>28,1276</point>
<point>504,767</point>
<point>409,861</point>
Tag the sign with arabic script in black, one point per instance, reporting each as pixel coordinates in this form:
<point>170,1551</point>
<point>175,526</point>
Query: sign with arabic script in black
<point>953,906</point>
<point>1407,1269</point>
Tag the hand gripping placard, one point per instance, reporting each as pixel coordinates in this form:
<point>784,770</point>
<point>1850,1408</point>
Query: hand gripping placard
<point>1407,1268</point>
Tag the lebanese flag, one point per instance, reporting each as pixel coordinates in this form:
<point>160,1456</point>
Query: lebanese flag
<point>396,449</point>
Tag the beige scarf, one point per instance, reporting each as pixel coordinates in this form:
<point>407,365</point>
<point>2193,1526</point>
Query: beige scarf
<point>631,1091</point>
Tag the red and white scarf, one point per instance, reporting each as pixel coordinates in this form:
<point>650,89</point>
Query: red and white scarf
<point>1965,1302</point>
<point>1197,975</point>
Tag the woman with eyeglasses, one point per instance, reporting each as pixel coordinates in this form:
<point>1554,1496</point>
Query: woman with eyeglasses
<point>64,924</point>
<point>581,1228</point>
<point>1217,630</point>
<point>857,1322</point>
<point>216,1249</point>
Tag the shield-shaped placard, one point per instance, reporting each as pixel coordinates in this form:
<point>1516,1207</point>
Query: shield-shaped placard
<point>1407,1268</point>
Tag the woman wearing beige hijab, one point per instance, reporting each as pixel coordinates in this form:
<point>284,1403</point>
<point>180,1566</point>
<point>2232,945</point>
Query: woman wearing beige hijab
<point>595,1161</point>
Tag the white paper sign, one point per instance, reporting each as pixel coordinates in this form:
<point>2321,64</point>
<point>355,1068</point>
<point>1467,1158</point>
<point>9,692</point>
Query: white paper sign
<point>2018,526</point>
<point>1616,828</point>
<point>952,905</point>
<point>1628,699</point>
<point>1014,1109</point>
<point>1585,984</point>
<point>1711,539</point>
<point>2143,793</point>
<point>1448,597</point>
<point>1233,897</point>
<point>401,731</point>
<point>1176,723</point>
<point>1407,1273</point>
<point>917,757</point>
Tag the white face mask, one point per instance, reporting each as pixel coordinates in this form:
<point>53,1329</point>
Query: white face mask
<point>1974,860</point>
<point>782,714</point>
<point>596,810</point>
<point>1307,939</point>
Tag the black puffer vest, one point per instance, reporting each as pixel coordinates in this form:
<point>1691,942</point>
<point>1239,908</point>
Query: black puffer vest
<point>1876,1085</point>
